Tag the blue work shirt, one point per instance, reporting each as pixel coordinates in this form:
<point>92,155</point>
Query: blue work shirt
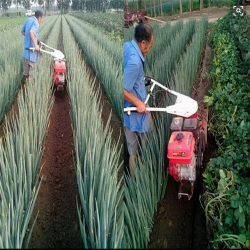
<point>133,81</point>
<point>30,24</point>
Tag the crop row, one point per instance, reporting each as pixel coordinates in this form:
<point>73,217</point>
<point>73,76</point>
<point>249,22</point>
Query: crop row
<point>111,22</point>
<point>9,23</point>
<point>165,63</point>
<point>104,57</point>
<point>97,157</point>
<point>21,150</point>
<point>162,37</point>
<point>227,199</point>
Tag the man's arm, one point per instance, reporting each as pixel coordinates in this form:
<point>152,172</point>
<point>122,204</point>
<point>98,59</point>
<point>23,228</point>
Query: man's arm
<point>22,32</point>
<point>32,36</point>
<point>141,106</point>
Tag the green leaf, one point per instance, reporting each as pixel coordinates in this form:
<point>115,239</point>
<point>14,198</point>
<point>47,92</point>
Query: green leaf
<point>217,71</point>
<point>242,220</point>
<point>242,237</point>
<point>229,221</point>
<point>248,244</point>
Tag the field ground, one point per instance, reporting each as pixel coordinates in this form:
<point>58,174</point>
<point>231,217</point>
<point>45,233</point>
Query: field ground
<point>213,14</point>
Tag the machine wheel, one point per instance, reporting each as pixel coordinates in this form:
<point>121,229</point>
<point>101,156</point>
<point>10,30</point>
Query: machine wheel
<point>200,154</point>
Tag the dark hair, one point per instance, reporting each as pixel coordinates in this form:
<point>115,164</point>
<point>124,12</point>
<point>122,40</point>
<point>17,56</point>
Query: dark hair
<point>38,13</point>
<point>143,31</point>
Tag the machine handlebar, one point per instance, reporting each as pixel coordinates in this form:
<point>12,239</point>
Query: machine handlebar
<point>148,81</point>
<point>30,48</point>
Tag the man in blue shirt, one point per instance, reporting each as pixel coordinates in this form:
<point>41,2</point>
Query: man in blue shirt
<point>134,90</point>
<point>30,31</point>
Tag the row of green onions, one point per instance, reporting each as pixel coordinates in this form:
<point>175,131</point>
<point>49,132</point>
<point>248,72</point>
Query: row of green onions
<point>106,65</point>
<point>97,157</point>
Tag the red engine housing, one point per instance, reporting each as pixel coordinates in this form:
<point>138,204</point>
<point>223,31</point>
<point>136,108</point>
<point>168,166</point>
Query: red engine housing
<point>59,72</point>
<point>185,151</point>
<point>180,151</point>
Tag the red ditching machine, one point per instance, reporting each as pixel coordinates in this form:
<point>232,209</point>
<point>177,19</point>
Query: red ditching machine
<point>134,18</point>
<point>188,138</point>
<point>59,75</point>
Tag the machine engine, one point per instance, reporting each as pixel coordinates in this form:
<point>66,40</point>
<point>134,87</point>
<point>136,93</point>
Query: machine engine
<point>182,153</point>
<point>181,156</point>
<point>59,73</point>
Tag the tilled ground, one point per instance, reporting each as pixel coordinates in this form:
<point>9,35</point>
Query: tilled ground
<point>181,224</point>
<point>57,225</point>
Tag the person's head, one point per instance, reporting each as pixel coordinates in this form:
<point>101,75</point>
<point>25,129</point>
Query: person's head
<point>144,37</point>
<point>39,15</point>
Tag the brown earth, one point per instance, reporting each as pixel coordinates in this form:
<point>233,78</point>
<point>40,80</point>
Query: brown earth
<point>181,224</point>
<point>57,225</point>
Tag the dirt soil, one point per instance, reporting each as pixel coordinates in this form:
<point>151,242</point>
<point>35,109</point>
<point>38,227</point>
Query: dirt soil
<point>57,225</point>
<point>181,224</point>
<point>212,13</point>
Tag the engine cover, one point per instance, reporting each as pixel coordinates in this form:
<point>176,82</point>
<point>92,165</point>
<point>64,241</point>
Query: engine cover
<point>59,71</point>
<point>181,147</point>
<point>181,156</point>
<point>59,66</point>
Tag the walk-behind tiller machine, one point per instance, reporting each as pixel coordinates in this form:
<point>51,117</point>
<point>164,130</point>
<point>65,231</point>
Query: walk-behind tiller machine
<point>188,138</point>
<point>59,77</point>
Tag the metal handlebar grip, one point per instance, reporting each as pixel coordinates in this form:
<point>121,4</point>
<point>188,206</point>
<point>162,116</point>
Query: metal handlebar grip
<point>148,81</point>
<point>29,48</point>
